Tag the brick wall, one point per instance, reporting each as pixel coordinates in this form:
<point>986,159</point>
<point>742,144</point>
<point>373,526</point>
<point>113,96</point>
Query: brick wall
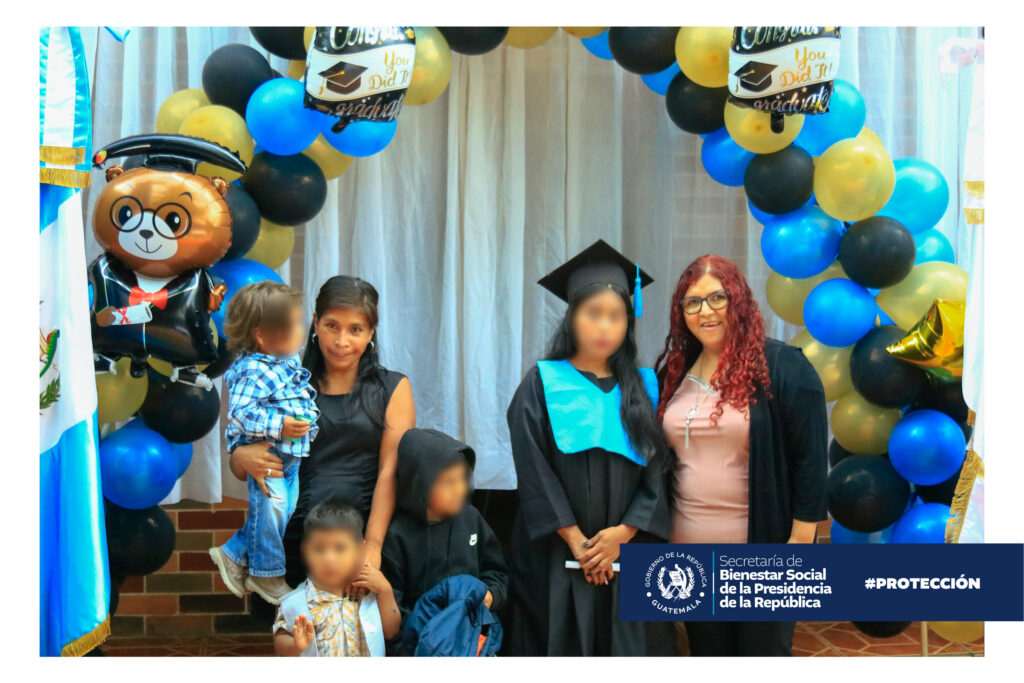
<point>186,596</point>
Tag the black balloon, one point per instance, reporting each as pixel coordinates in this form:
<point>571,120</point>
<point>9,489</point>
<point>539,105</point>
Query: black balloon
<point>138,541</point>
<point>643,49</point>
<point>866,494</point>
<point>224,360</point>
<point>231,74</point>
<point>283,41</point>
<point>179,412</point>
<point>881,629</point>
<point>941,492</point>
<point>473,40</point>
<point>882,378</point>
<point>945,397</point>
<point>836,453</point>
<point>245,223</point>
<point>877,252</point>
<point>780,182</point>
<point>287,189</point>
<point>693,107</point>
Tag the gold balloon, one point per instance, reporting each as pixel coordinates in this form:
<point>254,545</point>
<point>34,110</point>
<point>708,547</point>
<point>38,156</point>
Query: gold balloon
<point>786,295</point>
<point>868,134</point>
<point>296,69</point>
<point>958,631</point>
<point>224,126</point>
<point>176,107</point>
<point>703,54</point>
<point>119,395</point>
<point>751,129</point>
<point>584,31</point>
<point>332,162</point>
<point>307,35</point>
<point>274,245</point>
<point>862,427</point>
<point>526,37</point>
<point>853,179</point>
<point>936,343</point>
<point>431,68</point>
<point>830,362</point>
<point>907,302</point>
<point>166,369</point>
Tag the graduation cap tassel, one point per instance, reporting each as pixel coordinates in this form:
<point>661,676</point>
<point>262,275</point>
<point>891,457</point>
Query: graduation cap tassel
<point>638,302</point>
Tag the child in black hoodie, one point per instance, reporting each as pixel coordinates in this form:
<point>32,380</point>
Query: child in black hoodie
<point>436,533</point>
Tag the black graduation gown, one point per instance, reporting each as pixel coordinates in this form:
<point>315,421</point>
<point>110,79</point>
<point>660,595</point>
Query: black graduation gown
<point>553,610</point>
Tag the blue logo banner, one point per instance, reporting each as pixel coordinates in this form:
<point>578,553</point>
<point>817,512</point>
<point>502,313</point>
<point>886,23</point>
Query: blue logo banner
<point>821,582</point>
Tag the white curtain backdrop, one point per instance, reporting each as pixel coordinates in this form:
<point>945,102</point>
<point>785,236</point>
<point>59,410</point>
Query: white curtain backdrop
<point>528,157</point>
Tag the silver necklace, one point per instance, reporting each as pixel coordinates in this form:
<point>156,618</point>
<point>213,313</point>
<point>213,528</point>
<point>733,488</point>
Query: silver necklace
<point>703,391</point>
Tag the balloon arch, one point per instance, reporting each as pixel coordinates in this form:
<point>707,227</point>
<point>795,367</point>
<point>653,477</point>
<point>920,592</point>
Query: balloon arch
<point>849,235</point>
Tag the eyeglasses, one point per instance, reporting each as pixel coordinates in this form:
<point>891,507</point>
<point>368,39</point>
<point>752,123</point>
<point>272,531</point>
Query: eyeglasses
<point>692,305</point>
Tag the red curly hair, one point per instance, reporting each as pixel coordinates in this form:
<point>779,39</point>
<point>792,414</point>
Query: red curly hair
<point>742,369</point>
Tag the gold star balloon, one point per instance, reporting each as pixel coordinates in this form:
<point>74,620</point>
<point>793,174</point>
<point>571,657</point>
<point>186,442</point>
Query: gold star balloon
<point>936,343</point>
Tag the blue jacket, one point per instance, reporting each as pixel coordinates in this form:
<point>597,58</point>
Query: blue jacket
<point>448,620</point>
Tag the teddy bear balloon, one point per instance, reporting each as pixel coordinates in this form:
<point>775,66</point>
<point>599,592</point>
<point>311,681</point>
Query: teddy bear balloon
<point>161,226</point>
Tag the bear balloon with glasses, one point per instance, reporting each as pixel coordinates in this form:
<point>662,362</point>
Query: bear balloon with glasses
<point>161,226</point>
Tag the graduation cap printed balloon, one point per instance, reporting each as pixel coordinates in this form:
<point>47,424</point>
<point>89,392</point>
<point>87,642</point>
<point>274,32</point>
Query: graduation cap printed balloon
<point>783,69</point>
<point>359,73</point>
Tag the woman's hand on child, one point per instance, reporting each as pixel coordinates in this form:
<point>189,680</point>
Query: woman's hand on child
<point>303,632</point>
<point>256,461</point>
<point>372,579</point>
<point>294,428</point>
<point>603,550</point>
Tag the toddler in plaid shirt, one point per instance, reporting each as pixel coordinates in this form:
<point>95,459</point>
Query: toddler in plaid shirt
<point>269,399</point>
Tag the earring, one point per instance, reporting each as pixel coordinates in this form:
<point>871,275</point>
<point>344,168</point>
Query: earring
<point>316,339</point>
<point>372,345</point>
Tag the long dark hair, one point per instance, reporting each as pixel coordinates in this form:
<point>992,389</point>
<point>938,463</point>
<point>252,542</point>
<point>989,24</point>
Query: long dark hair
<point>637,413</point>
<point>351,294</point>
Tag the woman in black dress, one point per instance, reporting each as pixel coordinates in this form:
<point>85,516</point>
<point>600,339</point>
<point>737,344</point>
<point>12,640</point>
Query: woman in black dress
<point>589,460</point>
<point>364,410</point>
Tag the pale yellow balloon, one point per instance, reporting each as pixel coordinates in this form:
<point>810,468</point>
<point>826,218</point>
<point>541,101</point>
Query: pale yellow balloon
<point>751,129</point>
<point>526,37</point>
<point>853,179</point>
<point>830,362</point>
<point>907,302</point>
<point>224,126</point>
<point>868,134</point>
<point>703,54</point>
<point>332,162</point>
<point>431,69</point>
<point>584,31</point>
<point>176,107</point>
<point>307,35</point>
<point>786,295</point>
<point>297,69</point>
<point>958,631</point>
<point>119,395</point>
<point>862,427</point>
<point>274,245</point>
<point>166,369</point>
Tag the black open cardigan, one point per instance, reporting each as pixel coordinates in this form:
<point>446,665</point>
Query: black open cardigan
<point>788,447</point>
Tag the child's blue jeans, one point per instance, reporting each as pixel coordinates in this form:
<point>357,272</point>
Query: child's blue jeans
<point>259,543</point>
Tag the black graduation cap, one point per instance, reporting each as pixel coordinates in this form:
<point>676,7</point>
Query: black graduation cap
<point>599,264</point>
<point>343,77</point>
<point>165,151</point>
<point>755,76</point>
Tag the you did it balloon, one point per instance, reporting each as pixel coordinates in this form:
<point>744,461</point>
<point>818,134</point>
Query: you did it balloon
<point>783,69</point>
<point>359,73</point>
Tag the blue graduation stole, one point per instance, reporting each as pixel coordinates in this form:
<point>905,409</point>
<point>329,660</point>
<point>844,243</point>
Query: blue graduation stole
<point>584,417</point>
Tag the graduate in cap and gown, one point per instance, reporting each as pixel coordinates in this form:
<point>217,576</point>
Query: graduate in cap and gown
<point>590,461</point>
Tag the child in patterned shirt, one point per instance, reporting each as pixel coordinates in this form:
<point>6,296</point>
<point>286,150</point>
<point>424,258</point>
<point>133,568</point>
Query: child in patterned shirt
<point>325,616</point>
<point>269,399</point>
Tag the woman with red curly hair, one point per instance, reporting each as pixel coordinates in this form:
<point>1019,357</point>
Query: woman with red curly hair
<point>746,418</point>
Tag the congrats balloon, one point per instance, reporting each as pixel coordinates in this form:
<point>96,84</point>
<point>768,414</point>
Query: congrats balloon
<point>360,73</point>
<point>783,69</point>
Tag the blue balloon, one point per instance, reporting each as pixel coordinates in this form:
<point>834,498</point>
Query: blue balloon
<point>723,159</point>
<point>932,245</point>
<point>844,119</point>
<point>278,120</point>
<point>137,468</point>
<point>920,196</point>
<point>237,274</point>
<point>883,318</point>
<point>925,523</point>
<point>927,447</point>
<point>840,534</point>
<point>598,45</point>
<point>361,138</point>
<point>839,312</point>
<point>659,82</point>
<point>801,243</point>
<point>182,455</point>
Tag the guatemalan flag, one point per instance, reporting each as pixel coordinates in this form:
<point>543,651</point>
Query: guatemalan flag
<point>74,588</point>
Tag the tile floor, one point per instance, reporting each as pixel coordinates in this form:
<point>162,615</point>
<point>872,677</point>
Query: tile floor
<point>812,639</point>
